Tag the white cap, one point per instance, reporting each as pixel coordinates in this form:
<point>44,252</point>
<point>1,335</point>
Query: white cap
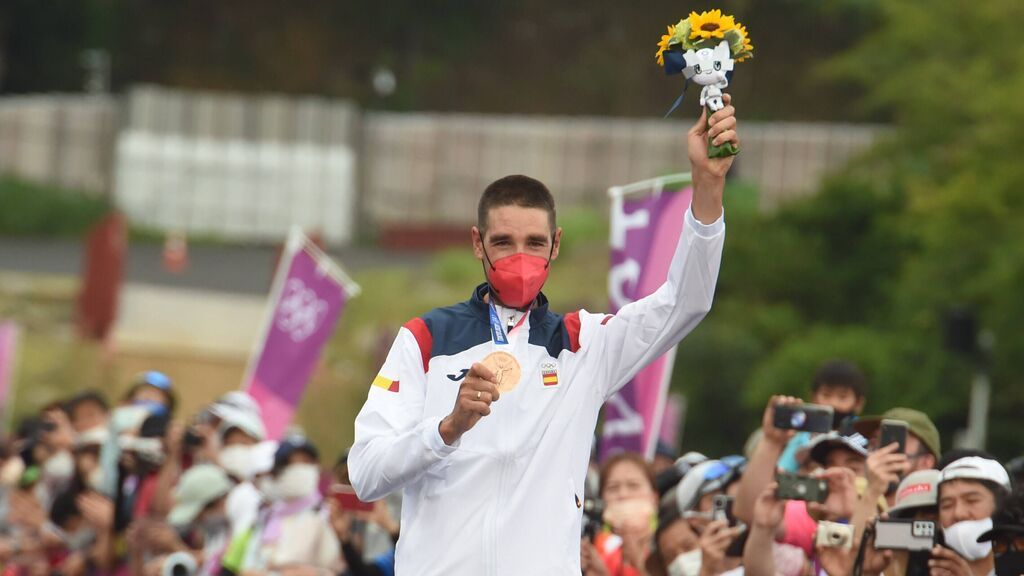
<point>976,468</point>
<point>244,421</point>
<point>235,400</point>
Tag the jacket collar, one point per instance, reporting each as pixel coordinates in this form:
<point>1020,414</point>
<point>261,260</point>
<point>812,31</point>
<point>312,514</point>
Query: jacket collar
<point>479,305</point>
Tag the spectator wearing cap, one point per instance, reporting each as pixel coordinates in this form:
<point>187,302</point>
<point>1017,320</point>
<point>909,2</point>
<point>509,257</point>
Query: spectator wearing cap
<point>200,501</point>
<point>923,447</point>
<point>694,501</point>
<point>627,489</point>
<point>1007,535</point>
<point>151,388</point>
<point>970,490</point>
<point>839,384</point>
<point>916,498</point>
<point>835,450</point>
<point>294,531</point>
<point>239,432</point>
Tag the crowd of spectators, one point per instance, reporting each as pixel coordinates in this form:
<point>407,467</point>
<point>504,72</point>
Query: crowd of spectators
<point>91,488</point>
<point>838,501</point>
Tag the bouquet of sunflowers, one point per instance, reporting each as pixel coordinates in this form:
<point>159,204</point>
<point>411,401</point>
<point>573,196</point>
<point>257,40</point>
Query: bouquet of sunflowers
<point>704,47</point>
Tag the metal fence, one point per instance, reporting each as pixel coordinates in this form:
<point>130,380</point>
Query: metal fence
<point>405,168</point>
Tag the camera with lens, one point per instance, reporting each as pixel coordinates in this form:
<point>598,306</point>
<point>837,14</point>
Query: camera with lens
<point>806,488</point>
<point>834,535</point>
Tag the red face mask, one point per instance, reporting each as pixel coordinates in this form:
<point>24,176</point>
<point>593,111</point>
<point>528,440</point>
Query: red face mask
<point>516,280</point>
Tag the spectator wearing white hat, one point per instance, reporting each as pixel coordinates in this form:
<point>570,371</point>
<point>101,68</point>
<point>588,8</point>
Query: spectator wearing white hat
<point>199,507</point>
<point>970,490</point>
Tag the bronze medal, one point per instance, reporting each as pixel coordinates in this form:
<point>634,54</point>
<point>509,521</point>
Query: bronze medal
<point>506,369</point>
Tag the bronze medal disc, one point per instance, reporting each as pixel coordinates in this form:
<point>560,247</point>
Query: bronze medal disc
<point>506,369</point>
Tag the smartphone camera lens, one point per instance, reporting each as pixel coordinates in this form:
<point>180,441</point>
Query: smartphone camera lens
<point>798,419</point>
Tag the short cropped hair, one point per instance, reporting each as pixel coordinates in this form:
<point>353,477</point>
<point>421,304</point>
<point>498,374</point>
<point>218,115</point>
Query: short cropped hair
<point>515,190</point>
<point>840,374</point>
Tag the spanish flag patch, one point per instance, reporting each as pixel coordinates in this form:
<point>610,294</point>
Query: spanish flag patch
<point>549,372</point>
<point>387,384</point>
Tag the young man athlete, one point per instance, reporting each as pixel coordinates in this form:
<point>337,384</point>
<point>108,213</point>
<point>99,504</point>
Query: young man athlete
<point>483,413</point>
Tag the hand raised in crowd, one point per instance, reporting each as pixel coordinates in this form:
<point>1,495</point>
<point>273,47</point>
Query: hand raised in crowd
<point>946,562</point>
<point>476,393</point>
<point>590,560</point>
<point>98,510</point>
<point>25,510</point>
<point>842,495</point>
<point>884,467</point>
<point>714,541</point>
<point>769,510</point>
<point>771,433</point>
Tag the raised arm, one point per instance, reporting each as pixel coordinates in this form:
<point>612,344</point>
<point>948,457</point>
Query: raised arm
<point>647,328</point>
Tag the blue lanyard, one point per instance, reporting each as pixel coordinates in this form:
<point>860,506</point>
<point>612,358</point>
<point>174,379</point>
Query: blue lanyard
<point>497,331</point>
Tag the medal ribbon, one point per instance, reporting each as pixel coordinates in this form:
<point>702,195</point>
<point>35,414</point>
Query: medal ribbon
<point>497,330</point>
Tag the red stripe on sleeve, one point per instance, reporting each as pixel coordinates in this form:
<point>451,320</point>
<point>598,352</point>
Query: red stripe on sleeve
<point>572,326</point>
<point>422,334</point>
<point>606,319</point>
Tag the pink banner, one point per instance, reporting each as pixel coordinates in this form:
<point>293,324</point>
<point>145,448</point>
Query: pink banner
<point>9,335</point>
<point>645,233</point>
<point>309,295</point>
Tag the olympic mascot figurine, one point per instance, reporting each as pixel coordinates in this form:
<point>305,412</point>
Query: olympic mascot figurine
<point>705,47</point>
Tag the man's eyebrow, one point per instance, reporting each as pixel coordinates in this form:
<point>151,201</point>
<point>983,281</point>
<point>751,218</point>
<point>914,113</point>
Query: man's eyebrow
<point>537,238</point>
<point>499,238</point>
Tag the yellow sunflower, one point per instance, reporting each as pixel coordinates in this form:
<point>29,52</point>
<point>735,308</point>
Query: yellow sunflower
<point>710,24</point>
<point>747,46</point>
<point>664,44</point>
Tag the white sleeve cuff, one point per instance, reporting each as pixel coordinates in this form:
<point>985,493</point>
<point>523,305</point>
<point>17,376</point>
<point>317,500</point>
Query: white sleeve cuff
<point>432,438</point>
<point>706,231</point>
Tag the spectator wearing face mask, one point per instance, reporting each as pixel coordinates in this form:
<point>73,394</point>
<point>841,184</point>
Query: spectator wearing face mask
<point>970,491</point>
<point>839,384</point>
<point>294,530</point>
<point>240,434</point>
<point>152,388</point>
<point>627,489</point>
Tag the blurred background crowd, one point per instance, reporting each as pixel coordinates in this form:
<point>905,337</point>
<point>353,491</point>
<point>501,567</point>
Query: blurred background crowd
<point>154,156</point>
<point>92,486</point>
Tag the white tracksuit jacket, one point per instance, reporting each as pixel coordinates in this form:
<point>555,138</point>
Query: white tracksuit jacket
<point>505,499</point>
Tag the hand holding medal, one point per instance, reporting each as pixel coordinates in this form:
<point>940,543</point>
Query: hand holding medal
<point>704,47</point>
<point>478,390</point>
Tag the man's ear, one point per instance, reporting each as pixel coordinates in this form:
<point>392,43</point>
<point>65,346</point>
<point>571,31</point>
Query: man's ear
<point>557,242</point>
<point>478,243</point>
